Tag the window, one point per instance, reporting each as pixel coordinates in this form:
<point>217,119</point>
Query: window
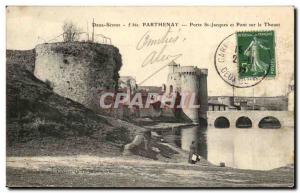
<point>164,88</point>
<point>171,89</point>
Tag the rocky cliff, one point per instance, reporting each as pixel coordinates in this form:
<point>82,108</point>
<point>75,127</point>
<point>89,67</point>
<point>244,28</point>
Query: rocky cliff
<point>42,122</point>
<point>36,115</point>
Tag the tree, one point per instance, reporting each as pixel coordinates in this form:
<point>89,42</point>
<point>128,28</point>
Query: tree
<point>71,32</point>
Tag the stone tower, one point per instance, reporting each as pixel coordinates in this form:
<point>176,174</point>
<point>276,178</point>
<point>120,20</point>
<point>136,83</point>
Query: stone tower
<point>78,70</point>
<point>189,80</point>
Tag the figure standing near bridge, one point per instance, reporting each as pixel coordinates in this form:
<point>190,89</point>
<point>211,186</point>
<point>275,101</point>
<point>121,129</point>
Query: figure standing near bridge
<point>253,53</point>
<point>193,156</point>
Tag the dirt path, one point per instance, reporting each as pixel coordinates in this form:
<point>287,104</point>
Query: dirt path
<point>92,171</point>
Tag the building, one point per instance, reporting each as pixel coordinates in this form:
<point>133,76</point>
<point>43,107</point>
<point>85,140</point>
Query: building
<point>276,103</point>
<point>217,106</point>
<point>127,82</point>
<point>192,81</point>
<point>151,89</point>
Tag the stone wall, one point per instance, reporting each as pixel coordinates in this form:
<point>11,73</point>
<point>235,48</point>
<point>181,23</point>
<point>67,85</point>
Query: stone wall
<point>78,70</point>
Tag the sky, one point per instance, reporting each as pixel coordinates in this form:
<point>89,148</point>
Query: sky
<point>189,43</point>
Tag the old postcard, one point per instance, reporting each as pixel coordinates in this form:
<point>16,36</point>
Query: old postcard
<point>150,96</point>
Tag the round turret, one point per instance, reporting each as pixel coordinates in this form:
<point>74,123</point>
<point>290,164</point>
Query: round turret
<point>190,87</point>
<point>78,70</point>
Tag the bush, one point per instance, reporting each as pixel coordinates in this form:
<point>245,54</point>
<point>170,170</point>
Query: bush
<point>119,135</point>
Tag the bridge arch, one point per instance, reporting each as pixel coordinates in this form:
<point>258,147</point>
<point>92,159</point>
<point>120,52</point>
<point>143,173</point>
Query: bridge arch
<point>222,123</point>
<point>269,122</point>
<point>243,122</point>
<point>285,118</point>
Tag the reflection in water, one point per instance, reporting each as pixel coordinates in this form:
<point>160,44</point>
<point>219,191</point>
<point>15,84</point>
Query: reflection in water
<point>258,149</point>
<point>254,148</point>
<point>197,134</point>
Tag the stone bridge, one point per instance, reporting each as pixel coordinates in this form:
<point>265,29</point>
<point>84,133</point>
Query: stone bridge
<point>285,118</point>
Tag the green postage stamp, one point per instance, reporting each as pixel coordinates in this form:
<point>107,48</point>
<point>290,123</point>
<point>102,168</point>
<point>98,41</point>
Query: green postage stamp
<point>256,54</point>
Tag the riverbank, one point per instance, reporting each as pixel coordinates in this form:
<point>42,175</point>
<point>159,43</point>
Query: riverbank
<point>134,171</point>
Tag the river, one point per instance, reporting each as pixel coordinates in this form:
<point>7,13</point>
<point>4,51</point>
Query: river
<point>254,148</point>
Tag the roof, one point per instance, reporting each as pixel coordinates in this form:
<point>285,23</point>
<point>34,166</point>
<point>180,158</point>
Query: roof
<point>153,89</point>
<point>215,102</point>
